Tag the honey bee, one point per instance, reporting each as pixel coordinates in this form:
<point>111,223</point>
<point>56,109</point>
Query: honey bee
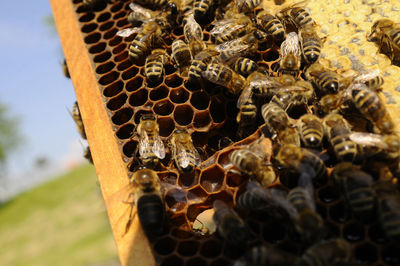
<point>338,132</point>
<point>244,66</point>
<point>328,103</point>
<point>92,3</point>
<point>296,15</point>
<point>311,130</point>
<point>386,34</point>
<point>357,189</point>
<point>252,162</point>
<point>229,224</point>
<point>65,69</point>
<point>151,148</point>
<point>181,54</point>
<point>327,81</point>
<point>301,161</point>
<point>201,8</point>
<point>193,35</point>
<point>245,6</point>
<point>223,75</point>
<point>153,3</point>
<point>290,60</point>
<point>297,94</point>
<point>271,25</point>
<point>76,115</point>
<point>186,157</point>
<point>230,28</point>
<point>154,65</point>
<point>88,155</point>
<point>247,118</point>
<point>263,255</point>
<point>371,107</point>
<point>199,64</point>
<point>237,47</point>
<point>279,125</point>
<point>372,79</point>
<point>335,251</point>
<point>388,208</point>
<point>148,201</point>
<point>311,44</point>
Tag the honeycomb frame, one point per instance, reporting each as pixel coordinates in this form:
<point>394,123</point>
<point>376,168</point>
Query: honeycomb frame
<point>109,122</point>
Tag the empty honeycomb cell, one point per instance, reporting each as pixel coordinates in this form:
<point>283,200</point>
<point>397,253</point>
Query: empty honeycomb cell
<point>183,114</point>
<point>122,116</point>
<point>126,131</point>
<point>130,73</point>
<point>223,159</point>
<point>391,254</point>
<point>119,48</point>
<point>200,138</point>
<point>129,148</point>
<point>231,109</point>
<point>109,78</point>
<point>274,232</point>
<point>366,253</point>
<point>211,248</point>
<point>106,25</point>
<point>92,38</point>
<point>117,6</point>
<point>104,68</point>
<point>353,232</point>
<point>188,180</point>
<point>119,15</point>
<point>97,48</point>
<point>165,246</point>
<point>164,107</point>
<point>220,262</point>
<point>200,100</point>
<point>115,41</point>
<point>89,27</point>
<point>139,113</point>
<point>376,234</point>
<point>167,125</point>
<point>217,110</point>
<point>135,83</point>
<point>196,194</point>
<point>86,17</point>
<point>234,179</point>
<point>337,212</point>
<point>139,97</point>
<point>121,56</point>
<point>159,93</point>
<point>117,101</point>
<point>113,89</point>
<point>169,69</point>
<point>100,58</point>
<point>178,31</point>
<point>173,81</point>
<point>188,248</point>
<point>202,120</point>
<point>124,65</point>
<point>212,179</point>
<point>103,17</point>
<point>109,34</point>
<point>181,234</point>
<point>121,23</point>
<point>329,194</point>
<point>179,95</point>
<point>172,261</point>
<point>271,55</point>
<point>176,199</point>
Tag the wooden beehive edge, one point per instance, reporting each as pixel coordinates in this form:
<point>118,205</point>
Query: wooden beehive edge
<point>133,247</point>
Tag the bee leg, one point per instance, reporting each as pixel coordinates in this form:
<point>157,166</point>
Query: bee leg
<point>131,213</point>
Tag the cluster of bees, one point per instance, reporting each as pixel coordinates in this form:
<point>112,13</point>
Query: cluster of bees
<point>343,129</point>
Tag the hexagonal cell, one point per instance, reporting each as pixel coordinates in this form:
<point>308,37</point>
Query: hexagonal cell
<point>125,132</point>
<point>376,233</point>
<point>135,83</point>
<point>211,179</point>
<point>391,254</point>
<point>165,246</point>
<point>217,110</point>
<point>117,102</point>
<point>103,17</point>
<point>329,193</point>
<point>173,81</point>
<point>194,210</point>
<point>179,95</point>
<point>178,31</point>
<point>113,89</point>
<point>139,113</point>
<point>183,114</point>
<point>337,212</point>
<point>211,248</point>
<point>202,120</point>
<point>220,262</point>
<point>119,48</point>
<point>206,36</point>
<point>120,14</point>
<point>122,116</point>
<point>139,97</point>
<point>106,25</point>
<point>124,65</point>
<point>234,179</point>
<point>109,34</point>
<point>274,231</point>
<point>117,6</point>
<point>196,194</point>
<point>159,93</point>
<point>115,41</point>
<point>97,48</point>
<point>169,69</point>
<point>188,180</point>
<point>321,209</point>
<point>130,73</point>
<point>122,56</point>
<point>129,148</point>
<point>122,22</point>
<point>200,100</point>
<point>354,232</point>
<point>176,199</point>
<point>188,248</point>
<point>164,107</point>
<point>181,234</point>
<point>223,159</point>
<point>89,27</point>
<point>104,68</point>
<point>100,58</point>
<point>109,78</point>
<point>366,253</point>
<point>86,17</point>
<point>167,125</point>
<point>92,38</point>
<point>271,56</point>
<point>200,138</point>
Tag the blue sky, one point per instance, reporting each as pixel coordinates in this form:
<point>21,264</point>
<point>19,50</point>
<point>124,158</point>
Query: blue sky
<point>33,86</point>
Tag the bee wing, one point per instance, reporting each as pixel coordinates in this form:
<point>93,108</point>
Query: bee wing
<point>221,26</point>
<point>245,96</point>
<point>143,144</point>
<point>366,75</point>
<point>368,139</point>
<point>234,46</point>
<point>279,197</point>
<point>129,31</point>
<point>291,45</point>
<point>158,147</point>
<point>140,13</point>
<point>192,29</point>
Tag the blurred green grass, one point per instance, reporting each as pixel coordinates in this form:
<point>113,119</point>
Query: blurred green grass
<point>62,222</point>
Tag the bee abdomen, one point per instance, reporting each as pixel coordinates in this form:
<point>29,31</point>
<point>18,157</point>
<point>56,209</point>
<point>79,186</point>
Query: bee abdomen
<point>297,199</point>
<point>200,8</point>
<point>302,17</point>
<point>312,137</point>
<point>153,69</point>
<point>396,37</point>
<point>311,50</point>
<point>150,209</point>
<point>245,66</point>
<point>181,53</point>
<point>195,70</point>
<point>136,50</point>
<point>217,74</point>
<point>328,82</point>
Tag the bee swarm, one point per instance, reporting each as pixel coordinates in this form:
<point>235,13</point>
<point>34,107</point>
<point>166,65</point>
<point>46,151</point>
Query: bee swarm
<point>209,113</point>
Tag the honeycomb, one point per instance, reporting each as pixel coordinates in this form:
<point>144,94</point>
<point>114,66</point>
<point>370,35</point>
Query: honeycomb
<point>209,114</point>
